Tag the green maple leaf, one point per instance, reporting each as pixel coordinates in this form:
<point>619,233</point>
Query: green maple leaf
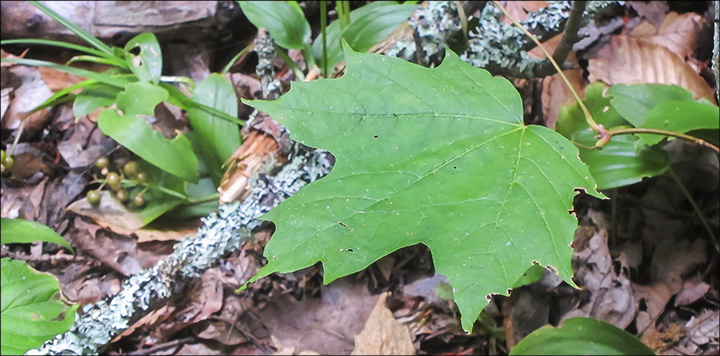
<point>433,156</point>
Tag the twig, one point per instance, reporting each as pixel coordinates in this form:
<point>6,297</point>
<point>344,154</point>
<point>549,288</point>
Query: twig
<point>502,49</point>
<point>221,233</point>
<point>569,37</point>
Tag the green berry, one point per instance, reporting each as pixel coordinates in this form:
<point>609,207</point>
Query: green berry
<point>2,155</point>
<point>112,178</point>
<point>93,197</point>
<point>122,195</point>
<point>139,200</point>
<point>141,177</point>
<point>130,168</point>
<point>102,162</point>
<point>8,162</point>
<point>113,181</point>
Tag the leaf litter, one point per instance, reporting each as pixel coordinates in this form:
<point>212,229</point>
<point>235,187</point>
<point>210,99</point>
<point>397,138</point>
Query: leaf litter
<point>655,248</point>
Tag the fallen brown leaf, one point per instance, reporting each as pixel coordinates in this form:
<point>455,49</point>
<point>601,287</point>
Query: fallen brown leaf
<point>612,294</point>
<point>382,334</point>
<point>679,33</point>
<point>628,60</point>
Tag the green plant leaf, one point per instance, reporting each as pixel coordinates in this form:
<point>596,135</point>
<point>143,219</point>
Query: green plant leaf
<point>94,96</point>
<point>635,101</point>
<point>147,65</point>
<point>680,117</point>
<point>581,336</point>
<point>285,22</point>
<point>334,33</point>
<point>102,57</point>
<point>375,26</point>
<point>175,156</point>
<point>89,38</point>
<point>621,162</point>
<point>30,309</point>
<point>532,275</point>
<point>24,231</point>
<point>100,77</point>
<point>434,156</point>
<point>218,138</point>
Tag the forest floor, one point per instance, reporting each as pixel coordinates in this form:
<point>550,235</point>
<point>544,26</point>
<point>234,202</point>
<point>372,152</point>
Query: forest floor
<point>644,259</point>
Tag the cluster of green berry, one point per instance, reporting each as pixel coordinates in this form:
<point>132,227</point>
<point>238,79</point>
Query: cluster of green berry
<point>6,160</point>
<point>115,181</point>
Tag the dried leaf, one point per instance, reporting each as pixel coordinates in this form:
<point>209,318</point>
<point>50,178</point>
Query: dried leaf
<point>383,335</point>
<point>627,60</point>
<point>679,33</point>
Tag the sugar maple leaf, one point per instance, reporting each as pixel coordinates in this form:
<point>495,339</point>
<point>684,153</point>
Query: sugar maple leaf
<point>433,156</point>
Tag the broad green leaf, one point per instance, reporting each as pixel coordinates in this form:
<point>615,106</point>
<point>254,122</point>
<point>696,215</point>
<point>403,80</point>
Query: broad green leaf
<point>202,200</point>
<point>635,101</point>
<point>433,156</point>
<point>24,231</point>
<point>94,96</point>
<point>375,26</point>
<point>175,156</point>
<point>31,313</point>
<point>147,65</point>
<point>532,275</point>
<point>581,336</point>
<point>379,25</point>
<point>621,162</point>
<point>218,138</point>
<point>680,117</point>
<point>285,21</point>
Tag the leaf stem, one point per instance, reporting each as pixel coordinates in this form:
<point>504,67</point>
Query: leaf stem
<point>599,129</point>
<point>699,212</point>
<point>323,25</point>
<point>237,56</point>
<point>638,130</point>
<point>292,65</point>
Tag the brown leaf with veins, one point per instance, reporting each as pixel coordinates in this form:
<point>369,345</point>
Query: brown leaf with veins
<point>679,33</point>
<point>383,335</point>
<point>628,60</point>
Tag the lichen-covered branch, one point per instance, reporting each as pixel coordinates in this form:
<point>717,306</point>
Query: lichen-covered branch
<point>220,234</point>
<point>502,48</point>
<point>570,36</point>
<point>265,49</point>
<point>495,45</point>
<point>433,27</point>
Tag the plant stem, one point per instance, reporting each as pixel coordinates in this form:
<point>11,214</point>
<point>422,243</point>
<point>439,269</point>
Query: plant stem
<point>237,56</point>
<point>599,129</point>
<point>638,130</point>
<point>292,65</point>
<point>323,25</point>
<point>339,9</point>
<point>699,212</point>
